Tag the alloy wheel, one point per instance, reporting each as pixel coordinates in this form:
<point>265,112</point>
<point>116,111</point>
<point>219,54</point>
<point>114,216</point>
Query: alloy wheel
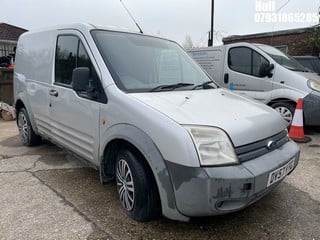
<point>23,127</point>
<point>125,184</point>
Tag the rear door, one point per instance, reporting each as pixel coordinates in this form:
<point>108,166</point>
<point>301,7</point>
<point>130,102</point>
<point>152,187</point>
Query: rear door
<point>242,73</point>
<point>75,117</point>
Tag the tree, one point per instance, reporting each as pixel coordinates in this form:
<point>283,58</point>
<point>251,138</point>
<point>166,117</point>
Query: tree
<point>310,44</point>
<point>188,42</point>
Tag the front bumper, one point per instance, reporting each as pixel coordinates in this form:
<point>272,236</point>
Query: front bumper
<point>311,109</point>
<point>219,190</point>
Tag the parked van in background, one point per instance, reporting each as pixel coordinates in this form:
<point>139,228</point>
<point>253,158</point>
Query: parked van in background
<point>310,62</point>
<point>139,109</point>
<point>266,74</point>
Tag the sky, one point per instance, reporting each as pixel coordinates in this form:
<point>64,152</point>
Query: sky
<point>174,19</point>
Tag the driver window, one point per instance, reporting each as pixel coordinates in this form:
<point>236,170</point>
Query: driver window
<point>257,62</point>
<point>240,59</point>
<point>70,54</point>
<point>245,60</point>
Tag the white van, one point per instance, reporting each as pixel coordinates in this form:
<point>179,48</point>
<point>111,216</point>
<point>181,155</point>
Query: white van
<point>266,74</point>
<point>139,109</point>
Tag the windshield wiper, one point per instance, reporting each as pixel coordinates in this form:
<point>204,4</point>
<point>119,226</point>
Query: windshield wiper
<point>170,86</point>
<point>204,85</point>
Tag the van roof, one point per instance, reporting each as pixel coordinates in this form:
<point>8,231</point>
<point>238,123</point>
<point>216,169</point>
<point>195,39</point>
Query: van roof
<point>87,27</point>
<point>84,27</point>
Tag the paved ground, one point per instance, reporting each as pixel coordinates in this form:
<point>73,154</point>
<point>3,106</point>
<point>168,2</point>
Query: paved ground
<point>47,194</point>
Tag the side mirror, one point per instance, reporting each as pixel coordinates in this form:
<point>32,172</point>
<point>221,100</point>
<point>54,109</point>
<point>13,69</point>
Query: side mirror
<point>80,79</point>
<point>265,70</point>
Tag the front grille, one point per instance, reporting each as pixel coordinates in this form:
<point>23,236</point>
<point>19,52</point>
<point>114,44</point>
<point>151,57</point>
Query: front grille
<point>257,149</point>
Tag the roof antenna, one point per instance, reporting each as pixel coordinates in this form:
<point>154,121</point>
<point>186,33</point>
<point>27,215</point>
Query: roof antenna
<point>132,17</point>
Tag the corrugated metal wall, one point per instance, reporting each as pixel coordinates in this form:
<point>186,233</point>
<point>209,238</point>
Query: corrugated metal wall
<point>6,48</point>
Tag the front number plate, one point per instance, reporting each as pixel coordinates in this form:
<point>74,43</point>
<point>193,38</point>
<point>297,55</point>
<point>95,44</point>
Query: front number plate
<point>280,173</point>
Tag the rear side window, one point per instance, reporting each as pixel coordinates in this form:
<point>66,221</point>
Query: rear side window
<point>245,60</point>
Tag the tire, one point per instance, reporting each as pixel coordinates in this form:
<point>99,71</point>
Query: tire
<point>286,110</point>
<point>7,116</point>
<point>27,136</point>
<point>136,187</point>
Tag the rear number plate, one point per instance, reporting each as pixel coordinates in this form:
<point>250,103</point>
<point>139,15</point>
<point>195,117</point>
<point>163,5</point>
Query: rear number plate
<point>280,173</point>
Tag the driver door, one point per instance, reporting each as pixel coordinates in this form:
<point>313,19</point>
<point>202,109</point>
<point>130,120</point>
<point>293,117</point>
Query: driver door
<point>75,118</point>
<point>243,73</point>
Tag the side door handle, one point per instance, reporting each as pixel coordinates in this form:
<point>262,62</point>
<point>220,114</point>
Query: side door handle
<point>53,92</point>
<point>226,78</point>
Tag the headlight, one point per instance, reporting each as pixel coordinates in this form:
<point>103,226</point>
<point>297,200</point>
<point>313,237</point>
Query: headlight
<point>213,145</point>
<point>314,85</point>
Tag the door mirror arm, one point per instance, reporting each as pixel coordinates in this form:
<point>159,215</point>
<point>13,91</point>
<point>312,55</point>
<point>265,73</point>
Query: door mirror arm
<point>92,93</point>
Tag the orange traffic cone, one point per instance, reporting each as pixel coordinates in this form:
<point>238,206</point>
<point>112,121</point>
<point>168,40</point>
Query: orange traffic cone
<point>296,132</point>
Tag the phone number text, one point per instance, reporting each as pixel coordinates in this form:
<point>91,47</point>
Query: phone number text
<point>286,17</point>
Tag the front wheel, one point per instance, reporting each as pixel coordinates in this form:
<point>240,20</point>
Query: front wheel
<point>136,186</point>
<point>285,109</point>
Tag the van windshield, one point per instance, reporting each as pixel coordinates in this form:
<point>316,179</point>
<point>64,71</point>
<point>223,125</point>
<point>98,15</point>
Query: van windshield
<point>141,63</point>
<point>282,58</point>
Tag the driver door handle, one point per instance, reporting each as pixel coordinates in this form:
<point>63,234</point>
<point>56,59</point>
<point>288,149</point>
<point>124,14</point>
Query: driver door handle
<point>226,78</point>
<point>53,92</point>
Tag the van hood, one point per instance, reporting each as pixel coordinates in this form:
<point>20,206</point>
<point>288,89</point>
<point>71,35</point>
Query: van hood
<point>310,75</point>
<point>244,120</point>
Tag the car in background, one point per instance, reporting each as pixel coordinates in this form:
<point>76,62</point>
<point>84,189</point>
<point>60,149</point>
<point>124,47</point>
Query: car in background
<point>310,62</point>
<point>266,74</point>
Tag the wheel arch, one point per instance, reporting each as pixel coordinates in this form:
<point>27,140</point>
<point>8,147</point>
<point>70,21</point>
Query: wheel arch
<point>288,104</point>
<point>276,100</point>
<point>21,102</point>
<point>124,135</point>
<point>111,150</point>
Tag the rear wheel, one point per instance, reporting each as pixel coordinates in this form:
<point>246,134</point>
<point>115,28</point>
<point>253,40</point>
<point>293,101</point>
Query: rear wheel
<point>285,109</point>
<point>136,187</point>
<point>27,136</point>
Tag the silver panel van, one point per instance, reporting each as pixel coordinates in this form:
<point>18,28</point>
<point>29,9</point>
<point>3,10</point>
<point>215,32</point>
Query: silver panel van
<point>266,74</point>
<point>142,112</point>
